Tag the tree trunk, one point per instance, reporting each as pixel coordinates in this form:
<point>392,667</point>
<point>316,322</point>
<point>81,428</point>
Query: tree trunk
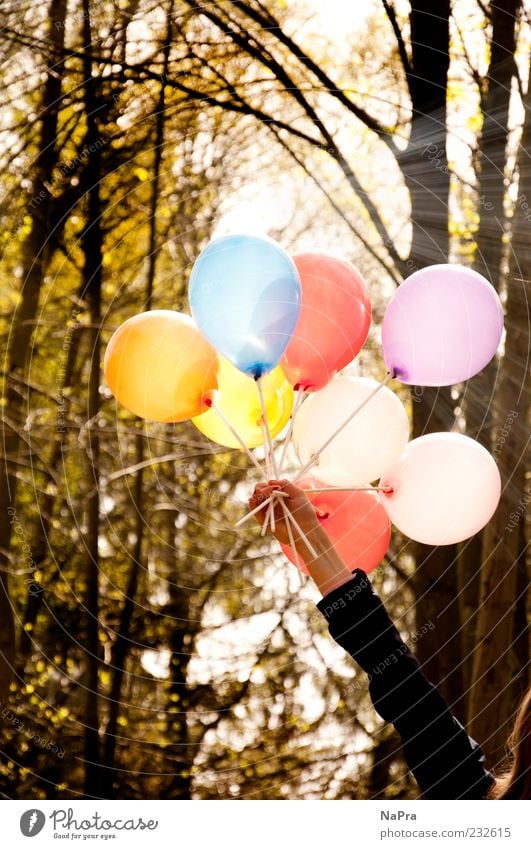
<point>46,507</point>
<point>496,671</point>
<point>492,188</point>
<point>121,647</point>
<point>425,168</point>
<point>178,610</point>
<point>35,252</point>
<point>92,244</point>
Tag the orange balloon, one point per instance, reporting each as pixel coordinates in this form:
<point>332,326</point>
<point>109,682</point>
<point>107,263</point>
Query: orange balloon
<point>160,367</point>
<point>356,523</point>
<point>333,321</point>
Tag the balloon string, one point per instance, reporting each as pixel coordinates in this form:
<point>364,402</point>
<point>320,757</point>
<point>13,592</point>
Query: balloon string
<point>315,457</point>
<point>266,425</point>
<point>287,442</point>
<point>260,507</point>
<point>265,443</point>
<point>301,533</point>
<point>318,489</point>
<point>269,511</point>
<point>237,436</point>
<point>287,516</point>
<point>349,489</point>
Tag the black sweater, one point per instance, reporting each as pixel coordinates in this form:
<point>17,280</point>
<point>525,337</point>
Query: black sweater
<point>445,761</point>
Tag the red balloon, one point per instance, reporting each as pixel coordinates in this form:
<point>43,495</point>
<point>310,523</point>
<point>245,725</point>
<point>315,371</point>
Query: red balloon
<point>356,523</point>
<point>333,322</point>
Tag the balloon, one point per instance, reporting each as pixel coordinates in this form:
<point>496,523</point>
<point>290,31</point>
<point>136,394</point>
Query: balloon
<point>239,400</point>
<point>356,523</point>
<point>442,326</point>
<point>367,446</point>
<point>159,367</point>
<point>444,488</point>
<point>333,322</point>
<point>245,296</point>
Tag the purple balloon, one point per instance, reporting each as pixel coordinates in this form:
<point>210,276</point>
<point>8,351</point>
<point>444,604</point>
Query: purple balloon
<point>442,326</point>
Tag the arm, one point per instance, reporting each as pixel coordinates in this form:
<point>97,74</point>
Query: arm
<point>327,570</point>
<point>445,761</point>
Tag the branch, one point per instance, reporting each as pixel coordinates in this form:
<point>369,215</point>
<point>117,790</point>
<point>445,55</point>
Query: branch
<point>269,23</point>
<point>392,271</point>
<point>391,14</point>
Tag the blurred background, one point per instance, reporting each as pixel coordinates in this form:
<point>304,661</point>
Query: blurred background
<point>147,648</point>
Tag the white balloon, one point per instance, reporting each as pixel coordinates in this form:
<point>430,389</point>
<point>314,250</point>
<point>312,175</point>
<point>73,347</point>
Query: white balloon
<point>444,489</point>
<point>367,446</point>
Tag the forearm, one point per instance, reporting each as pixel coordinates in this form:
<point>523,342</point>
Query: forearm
<point>327,569</point>
<point>445,761</point>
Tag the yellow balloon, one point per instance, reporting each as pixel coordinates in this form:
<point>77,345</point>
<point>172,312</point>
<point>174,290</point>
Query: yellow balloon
<point>239,400</point>
<point>160,367</point>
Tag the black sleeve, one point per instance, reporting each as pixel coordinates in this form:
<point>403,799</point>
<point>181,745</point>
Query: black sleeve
<point>445,761</point>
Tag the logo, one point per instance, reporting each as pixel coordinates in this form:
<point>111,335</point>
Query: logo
<point>32,822</point>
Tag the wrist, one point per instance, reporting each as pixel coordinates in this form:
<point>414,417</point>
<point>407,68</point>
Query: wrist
<point>325,566</point>
<point>320,542</point>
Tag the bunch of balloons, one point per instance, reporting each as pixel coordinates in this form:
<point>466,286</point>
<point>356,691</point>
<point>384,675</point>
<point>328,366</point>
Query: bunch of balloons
<point>261,355</point>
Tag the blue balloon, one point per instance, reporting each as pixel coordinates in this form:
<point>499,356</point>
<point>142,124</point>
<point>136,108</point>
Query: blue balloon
<point>245,294</point>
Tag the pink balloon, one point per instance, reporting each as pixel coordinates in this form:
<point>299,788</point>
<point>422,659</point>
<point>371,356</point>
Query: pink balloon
<point>333,321</point>
<point>442,326</point>
<point>356,523</point>
<point>443,489</point>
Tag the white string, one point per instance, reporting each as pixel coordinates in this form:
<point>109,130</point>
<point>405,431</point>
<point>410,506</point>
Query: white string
<point>266,519</point>
<point>260,507</point>
<point>266,425</point>
<point>287,442</point>
<point>269,471</point>
<point>301,533</point>
<point>348,489</point>
<point>287,516</point>
<point>315,457</point>
<point>272,512</point>
<point>237,436</point>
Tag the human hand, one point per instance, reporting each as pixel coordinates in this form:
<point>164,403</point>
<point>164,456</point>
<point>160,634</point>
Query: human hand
<point>298,504</point>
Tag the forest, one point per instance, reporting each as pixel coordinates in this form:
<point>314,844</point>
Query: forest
<point>148,648</point>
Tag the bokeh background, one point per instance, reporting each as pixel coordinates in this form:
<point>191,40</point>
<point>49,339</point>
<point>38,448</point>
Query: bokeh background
<point>147,648</point>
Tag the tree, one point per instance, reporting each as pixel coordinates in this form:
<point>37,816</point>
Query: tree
<point>159,117</point>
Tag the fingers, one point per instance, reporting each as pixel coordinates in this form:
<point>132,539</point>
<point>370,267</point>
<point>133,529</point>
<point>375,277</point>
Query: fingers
<point>261,494</point>
<point>265,489</point>
<point>293,490</point>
